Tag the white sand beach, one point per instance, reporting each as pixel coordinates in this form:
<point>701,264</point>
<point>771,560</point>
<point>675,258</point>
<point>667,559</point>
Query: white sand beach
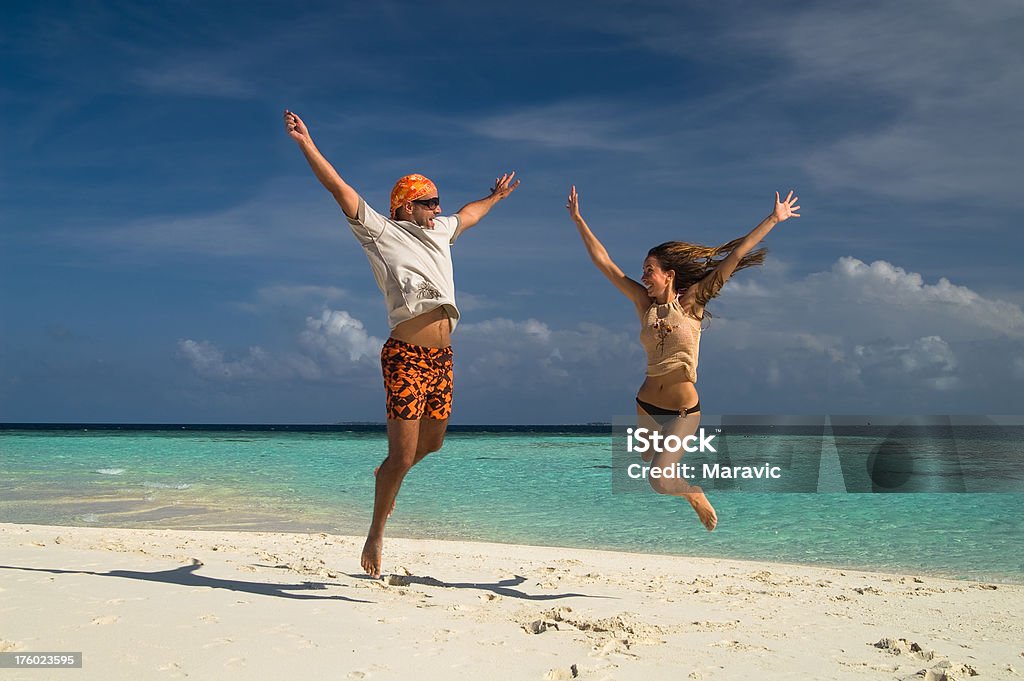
<point>172,604</point>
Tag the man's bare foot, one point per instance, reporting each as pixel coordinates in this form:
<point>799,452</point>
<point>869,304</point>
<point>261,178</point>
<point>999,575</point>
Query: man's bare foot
<point>392,509</point>
<point>704,510</point>
<point>370,559</point>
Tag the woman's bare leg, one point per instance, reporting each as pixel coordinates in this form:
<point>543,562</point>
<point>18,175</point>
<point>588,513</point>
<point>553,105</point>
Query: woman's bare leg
<point>680,427</point>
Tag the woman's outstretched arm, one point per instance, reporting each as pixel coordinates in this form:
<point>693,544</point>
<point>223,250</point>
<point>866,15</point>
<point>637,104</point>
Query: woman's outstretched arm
<point>783,211</point>
<point>599,255</point>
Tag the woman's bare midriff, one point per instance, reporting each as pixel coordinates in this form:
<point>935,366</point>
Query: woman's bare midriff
<point>669,391</point>
<point>431,329</point>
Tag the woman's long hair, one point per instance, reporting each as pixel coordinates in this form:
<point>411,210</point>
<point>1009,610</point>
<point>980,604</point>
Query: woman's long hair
<point>693,262</point>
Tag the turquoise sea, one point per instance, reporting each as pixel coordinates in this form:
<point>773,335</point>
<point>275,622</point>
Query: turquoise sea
<point>523,485</point>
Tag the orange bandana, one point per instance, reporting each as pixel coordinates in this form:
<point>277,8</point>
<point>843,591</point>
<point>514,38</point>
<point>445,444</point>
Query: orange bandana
<point>411,188</point>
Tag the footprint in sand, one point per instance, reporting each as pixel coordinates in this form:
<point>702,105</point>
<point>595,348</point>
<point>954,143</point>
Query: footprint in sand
<point>737,645</point>
<point>944,671</point>
<point>562,674</point>
<point>708,625</point>
<point>615,648</point>
<point>108,619</point>
<point>901,646</point>
<point>356,675</point>
<point>174,669</point>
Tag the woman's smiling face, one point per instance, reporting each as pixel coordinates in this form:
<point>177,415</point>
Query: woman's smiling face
<point>657,281</point>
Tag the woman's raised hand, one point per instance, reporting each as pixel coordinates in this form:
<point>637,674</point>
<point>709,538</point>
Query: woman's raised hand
<point>574,205</point>
<point>787,209</point>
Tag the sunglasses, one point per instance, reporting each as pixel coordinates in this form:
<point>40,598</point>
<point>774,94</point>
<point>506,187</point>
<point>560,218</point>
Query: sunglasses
<point>429,204</point>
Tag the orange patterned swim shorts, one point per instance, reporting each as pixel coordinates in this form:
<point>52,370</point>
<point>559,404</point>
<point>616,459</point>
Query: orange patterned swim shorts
<point>418,380</point>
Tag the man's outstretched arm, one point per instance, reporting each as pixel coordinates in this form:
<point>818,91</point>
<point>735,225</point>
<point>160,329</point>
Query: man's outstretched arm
<point>345,195</point>
<point>472,213</point>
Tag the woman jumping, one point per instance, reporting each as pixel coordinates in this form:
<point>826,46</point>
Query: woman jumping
<point>679,279</point>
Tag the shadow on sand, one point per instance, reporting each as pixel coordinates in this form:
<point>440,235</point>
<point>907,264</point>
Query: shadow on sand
<point>502,588</point>
<point>186,576</point>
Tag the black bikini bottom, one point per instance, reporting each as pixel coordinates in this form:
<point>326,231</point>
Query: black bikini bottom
<point>656,411</point>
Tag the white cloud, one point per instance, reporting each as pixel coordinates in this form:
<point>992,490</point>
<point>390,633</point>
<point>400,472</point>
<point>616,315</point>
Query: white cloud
<point>340,339</point>
<point>333,346</point>
<point>208,361</point>
<point>874,335</point>
<point>530,355</point>
<point>889,294</point>
<point>501,329</point>
<point>857,336</point>
<point>927,360</point>
<point>751,289</point>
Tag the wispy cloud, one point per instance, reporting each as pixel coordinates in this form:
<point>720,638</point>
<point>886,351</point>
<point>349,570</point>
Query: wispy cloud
<point>921,98</point>
<point>300,294</point>
<point>663,26</point>
<point>565,125</point>
<point>292,297</point>
<point>289,219</point>
<point>195,76</point>
<point>947,73</point>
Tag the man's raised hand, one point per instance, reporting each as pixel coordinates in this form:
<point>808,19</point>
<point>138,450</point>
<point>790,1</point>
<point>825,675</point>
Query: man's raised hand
<point>295,127</point>
<point>503,186</point>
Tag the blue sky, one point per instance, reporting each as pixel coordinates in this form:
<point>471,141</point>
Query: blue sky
<point>166,255</point>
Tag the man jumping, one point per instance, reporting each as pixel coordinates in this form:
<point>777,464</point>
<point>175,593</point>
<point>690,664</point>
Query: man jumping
<point>410,255</point>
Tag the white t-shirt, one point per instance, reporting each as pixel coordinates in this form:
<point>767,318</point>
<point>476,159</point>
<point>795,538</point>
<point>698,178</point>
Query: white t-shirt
<point>412,265</point>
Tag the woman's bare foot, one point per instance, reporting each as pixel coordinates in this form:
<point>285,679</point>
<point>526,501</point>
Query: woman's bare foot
<point>370,559</point>
<point>705,511</point>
